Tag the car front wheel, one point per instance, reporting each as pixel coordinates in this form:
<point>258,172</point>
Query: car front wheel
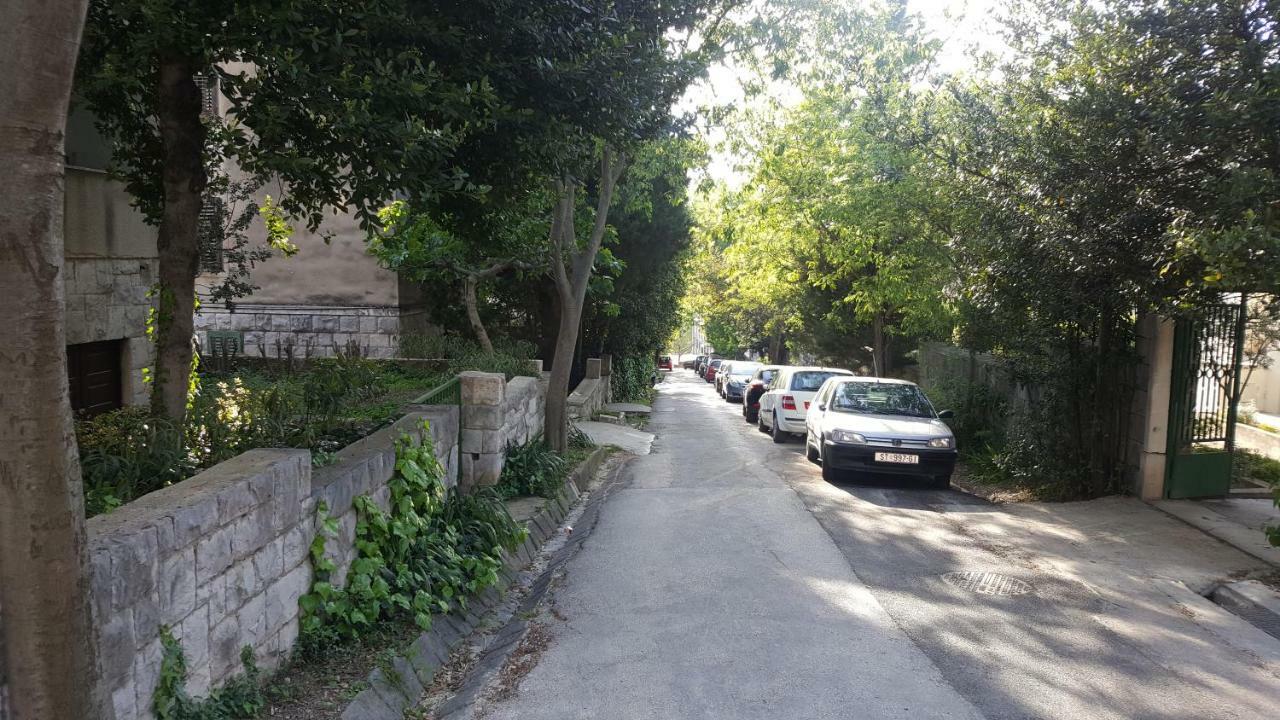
<point>810,451</point>
<point>942,482</point>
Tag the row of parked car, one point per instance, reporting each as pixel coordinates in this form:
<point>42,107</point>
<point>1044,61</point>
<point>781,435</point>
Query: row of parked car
<point>849,422</point>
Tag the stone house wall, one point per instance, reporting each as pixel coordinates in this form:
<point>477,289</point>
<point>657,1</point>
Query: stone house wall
<point>304,331</point>
<point>221,559</point>
<point>110,265</point>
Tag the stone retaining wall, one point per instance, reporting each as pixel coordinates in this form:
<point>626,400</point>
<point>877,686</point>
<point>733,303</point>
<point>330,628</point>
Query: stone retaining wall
<point>594,390</point>
<point>497,413</point>
<point>1258,440</point>
<point>221,558</point>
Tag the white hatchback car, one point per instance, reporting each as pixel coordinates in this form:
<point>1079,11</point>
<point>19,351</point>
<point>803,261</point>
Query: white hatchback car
<point>879,425</point>
<point>784,405</point>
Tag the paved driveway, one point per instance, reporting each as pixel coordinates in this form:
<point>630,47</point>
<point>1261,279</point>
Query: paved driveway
<point>726,580</point>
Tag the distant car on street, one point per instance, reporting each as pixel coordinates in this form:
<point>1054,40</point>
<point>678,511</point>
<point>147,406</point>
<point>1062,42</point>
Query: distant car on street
<point>734,384</point>
<point>664,362</point>
<point>784,405</point>
<point>879,425</point>
<point>712,366</point>
<point>722,373</point>
<point>756,386</point>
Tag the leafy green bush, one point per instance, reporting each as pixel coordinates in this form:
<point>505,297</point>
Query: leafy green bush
<point>126,454</point>
<point>979,422</point>
<point>426,555</point>
<point>632,379</point>
<point>512,359</point>
<point>532,469</point>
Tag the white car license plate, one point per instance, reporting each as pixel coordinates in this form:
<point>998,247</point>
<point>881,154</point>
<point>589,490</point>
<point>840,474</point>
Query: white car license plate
<point>901,458</point>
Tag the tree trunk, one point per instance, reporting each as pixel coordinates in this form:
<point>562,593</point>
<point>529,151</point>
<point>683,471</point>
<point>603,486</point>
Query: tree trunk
<point>556,422</point>
<point>183,135</point>
<point>877,344</point>
<point>571,289</point>
<point>473,313</point>
<point>48,665</point>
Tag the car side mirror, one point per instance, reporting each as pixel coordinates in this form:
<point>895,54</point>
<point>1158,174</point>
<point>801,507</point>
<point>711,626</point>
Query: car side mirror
<point>822,406</point>
<point>946,415</point>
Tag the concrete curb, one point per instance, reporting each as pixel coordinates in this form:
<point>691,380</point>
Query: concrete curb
<point>398,685</point>
<point>1253,602</point>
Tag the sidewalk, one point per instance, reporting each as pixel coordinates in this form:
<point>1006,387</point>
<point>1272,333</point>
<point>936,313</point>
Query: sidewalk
<point>1238,522</point>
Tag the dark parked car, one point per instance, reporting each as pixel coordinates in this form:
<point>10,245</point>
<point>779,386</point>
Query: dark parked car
<point>756,385</point>
<point>733,385</point>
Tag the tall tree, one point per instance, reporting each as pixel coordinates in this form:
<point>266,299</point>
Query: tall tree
<point>48,660</point>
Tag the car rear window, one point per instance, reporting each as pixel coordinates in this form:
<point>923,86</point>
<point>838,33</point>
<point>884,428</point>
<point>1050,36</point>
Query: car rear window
<point>810,380</point>
<point>743,369</point>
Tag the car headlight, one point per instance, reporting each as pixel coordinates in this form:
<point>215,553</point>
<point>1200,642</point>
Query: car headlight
<point>942,442</point>
<point>846,436</point>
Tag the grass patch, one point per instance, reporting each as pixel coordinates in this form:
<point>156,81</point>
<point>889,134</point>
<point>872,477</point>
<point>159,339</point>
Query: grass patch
<point>1248,465</point>
<point>321,682</point>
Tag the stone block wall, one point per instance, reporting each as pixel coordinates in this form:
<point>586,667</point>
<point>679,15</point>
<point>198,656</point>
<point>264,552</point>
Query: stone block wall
<point>312,330</point>
<point>594,390</point>
<point>497,413</point>
<point>107,300</point>
<point>221,559</point>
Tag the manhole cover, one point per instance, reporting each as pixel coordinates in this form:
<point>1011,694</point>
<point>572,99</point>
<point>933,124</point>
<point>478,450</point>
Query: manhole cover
<point>988,583</point>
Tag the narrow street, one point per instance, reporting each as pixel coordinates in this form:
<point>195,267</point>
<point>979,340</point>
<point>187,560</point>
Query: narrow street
<point>726,580</point>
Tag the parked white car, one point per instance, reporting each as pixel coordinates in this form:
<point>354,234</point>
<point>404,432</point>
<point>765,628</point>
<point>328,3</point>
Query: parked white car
<point>784,405</point>
<point>879,425</point>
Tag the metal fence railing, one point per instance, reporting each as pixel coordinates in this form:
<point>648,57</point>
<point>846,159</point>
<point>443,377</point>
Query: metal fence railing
<point>448,393</point>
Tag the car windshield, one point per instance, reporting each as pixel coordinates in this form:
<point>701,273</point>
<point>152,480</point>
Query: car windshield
<point>810,380</point>
<point>881,399</point>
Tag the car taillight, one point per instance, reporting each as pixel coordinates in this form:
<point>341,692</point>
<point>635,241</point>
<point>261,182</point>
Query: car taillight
<point>788,402</point>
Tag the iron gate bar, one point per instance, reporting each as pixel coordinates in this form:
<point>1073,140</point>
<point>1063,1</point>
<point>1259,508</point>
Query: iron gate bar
<point>1204,392</point>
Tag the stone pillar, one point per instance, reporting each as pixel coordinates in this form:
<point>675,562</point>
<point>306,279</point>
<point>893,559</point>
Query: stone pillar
<point>606,365</point>
<point>593,368</point>
<point>1151,405</point>
<point>483,395</point>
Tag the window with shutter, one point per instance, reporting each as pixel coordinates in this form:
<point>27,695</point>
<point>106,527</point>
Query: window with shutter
<point>212,209</point>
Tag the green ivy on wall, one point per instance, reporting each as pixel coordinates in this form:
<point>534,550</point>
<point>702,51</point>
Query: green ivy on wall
<point>426,554</point>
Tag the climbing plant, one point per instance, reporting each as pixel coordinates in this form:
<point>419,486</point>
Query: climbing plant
<point>241,698</point>
<point>431,549</point>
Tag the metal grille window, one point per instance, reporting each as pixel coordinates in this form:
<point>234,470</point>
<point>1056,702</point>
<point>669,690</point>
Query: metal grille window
<point>210,233</point>
<point>208,84</point>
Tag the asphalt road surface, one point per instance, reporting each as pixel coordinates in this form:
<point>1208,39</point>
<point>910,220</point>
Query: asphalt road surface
<point>725,579</point>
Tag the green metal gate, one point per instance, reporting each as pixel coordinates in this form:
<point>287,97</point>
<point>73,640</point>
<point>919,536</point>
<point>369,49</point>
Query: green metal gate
<point>1203,394</point>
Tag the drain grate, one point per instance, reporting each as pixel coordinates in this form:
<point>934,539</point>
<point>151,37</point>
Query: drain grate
<point>988,583</point>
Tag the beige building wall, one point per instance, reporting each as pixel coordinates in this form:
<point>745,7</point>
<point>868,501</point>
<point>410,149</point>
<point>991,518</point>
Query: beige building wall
<point>331,296</point>
<point>1263,387</point>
